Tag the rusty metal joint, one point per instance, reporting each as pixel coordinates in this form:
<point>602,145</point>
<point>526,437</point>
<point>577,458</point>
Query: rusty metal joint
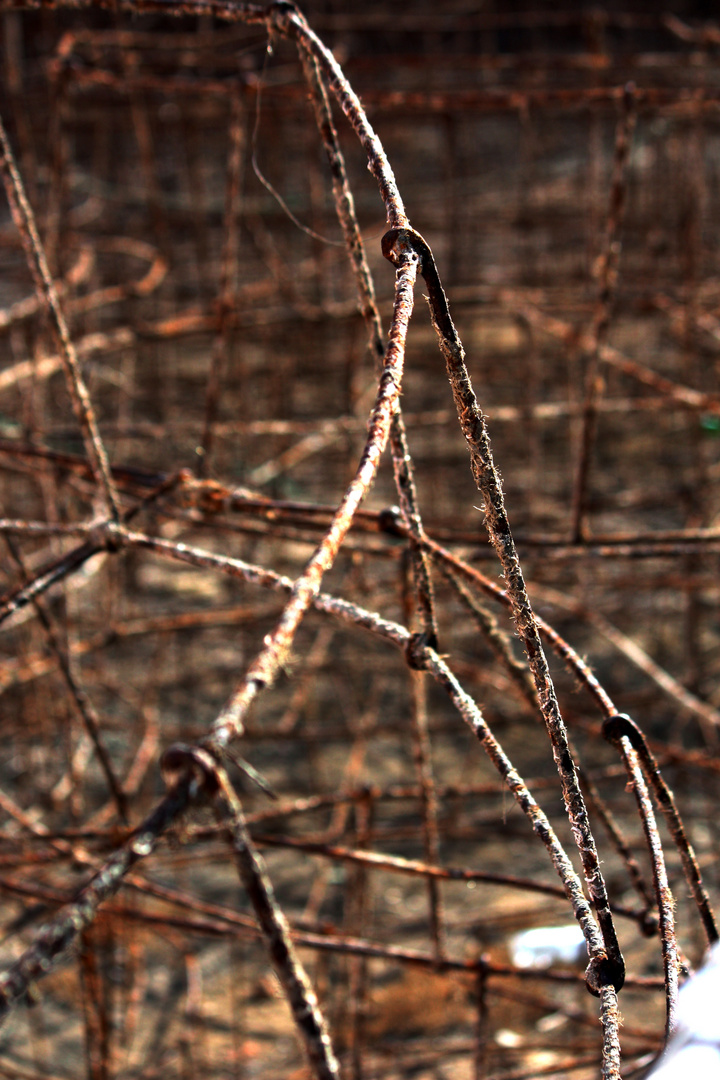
<point>181,761</point>
<point>621,726</point>
<point>602,971</point>
<point>415,650</point>
<point>401,245</point>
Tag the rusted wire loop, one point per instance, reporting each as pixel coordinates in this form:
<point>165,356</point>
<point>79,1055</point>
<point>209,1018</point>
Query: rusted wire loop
<point>390,521</point>
<point>193,762</point>
<point>602,971</point>
<point>416,650</point>
<point>396,244</point>
<point>621,726</point>
<point>108,536</point>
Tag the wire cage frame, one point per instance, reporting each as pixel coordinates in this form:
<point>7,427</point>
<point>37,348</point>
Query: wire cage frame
<point>260,715</point>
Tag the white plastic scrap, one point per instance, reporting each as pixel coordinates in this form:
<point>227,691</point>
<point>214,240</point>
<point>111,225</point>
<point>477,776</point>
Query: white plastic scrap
<point>547,945</point>
<point>694,1049</point>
